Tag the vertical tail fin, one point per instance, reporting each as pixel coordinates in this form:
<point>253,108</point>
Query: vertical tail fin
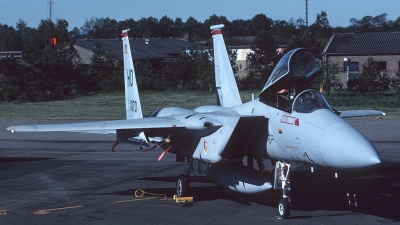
<point>227,90</point>
<point>132,100</point>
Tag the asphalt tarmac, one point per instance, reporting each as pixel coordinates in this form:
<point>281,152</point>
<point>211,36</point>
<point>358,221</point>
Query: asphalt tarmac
<point>72,178</point>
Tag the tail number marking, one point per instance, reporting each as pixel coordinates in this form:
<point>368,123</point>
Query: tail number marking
<point>130,78</point>
<point>133,105</point>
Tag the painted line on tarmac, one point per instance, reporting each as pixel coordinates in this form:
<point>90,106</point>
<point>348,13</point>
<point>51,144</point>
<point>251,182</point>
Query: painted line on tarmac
<point>45,211</point>
<point>134,200</point>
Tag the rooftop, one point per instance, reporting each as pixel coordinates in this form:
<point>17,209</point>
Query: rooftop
<point>364,43</point>
<point>156,48</point>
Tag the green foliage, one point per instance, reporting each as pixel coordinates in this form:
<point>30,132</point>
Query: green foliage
<point>147,27</point>
<point>130,24</point>
<point>383,81</point>
<point>165,27</point>
<point>13,39</point>
<point>55,72</point>
<point>329,78</point>
<point>349,100</point>
<point>194,29</point>
<point>261,62</point>
<point>395,82</point>
<point>306,40</point>
<point>20,82</point>
<point>213,20</point>
<point>205,74</point>
<point>100,28</point>
<point>232,54</point>
<point>193,70</point>
<point>104,72</point>
<point>184,71</point>
<point>47,71</point>
<point>321,28</point>
<point>145,75</point>
<point>371,23</point>
<point>260,23</point>
<point>372,78</point>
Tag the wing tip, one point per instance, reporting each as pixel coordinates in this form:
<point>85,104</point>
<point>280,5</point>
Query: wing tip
<point>11,129</point>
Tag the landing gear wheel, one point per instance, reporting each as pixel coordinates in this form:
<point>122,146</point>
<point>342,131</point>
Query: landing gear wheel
<point>284,208</point>
<point>182,186</point>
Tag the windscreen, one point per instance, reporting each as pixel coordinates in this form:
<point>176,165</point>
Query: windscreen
<point>308,101</point>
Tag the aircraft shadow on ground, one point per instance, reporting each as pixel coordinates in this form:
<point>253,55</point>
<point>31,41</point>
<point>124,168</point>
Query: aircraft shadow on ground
<point>377,191</point>
<point>22,159</point>
<point>199,179</point>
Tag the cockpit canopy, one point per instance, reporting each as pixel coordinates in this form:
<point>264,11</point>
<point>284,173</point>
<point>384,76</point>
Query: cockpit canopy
<point>296,68</point>
<point>308,101</point>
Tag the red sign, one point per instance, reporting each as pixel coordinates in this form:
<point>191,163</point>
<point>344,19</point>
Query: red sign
<point>290,120</point>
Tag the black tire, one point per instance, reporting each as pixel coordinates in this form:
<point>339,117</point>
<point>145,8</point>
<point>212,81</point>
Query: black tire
<point>284,208</point>
<point>182,186</point>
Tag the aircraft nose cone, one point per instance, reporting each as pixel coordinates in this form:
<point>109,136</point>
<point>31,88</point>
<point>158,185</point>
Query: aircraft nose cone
<point>343,147</point>
<point>374,159</point>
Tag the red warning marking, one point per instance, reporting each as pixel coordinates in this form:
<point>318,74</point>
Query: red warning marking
<point>215,32</point>
<point>290,120</point>
<point>282,91</point>
<point>296,122</point>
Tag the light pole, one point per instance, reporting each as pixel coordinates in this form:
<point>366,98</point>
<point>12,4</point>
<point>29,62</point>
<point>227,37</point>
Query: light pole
<point>346,60</point>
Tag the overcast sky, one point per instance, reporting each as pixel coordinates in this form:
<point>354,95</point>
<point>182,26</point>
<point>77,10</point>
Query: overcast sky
<point>76,11</point>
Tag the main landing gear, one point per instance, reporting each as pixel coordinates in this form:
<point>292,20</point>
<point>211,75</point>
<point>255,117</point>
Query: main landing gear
<point>282,181</point>
<point>183,184</point>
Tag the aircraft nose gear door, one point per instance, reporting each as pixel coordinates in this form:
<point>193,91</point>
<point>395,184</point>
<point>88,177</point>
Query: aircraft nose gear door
<point>282,181</point>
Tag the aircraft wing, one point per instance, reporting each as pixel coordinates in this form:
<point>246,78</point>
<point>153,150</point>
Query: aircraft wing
<point>359,113</point>
<point>101,127</point>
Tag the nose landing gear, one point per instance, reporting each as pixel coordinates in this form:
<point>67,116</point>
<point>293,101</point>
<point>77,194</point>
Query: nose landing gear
<point>282,181</point>
<point>284,208</point>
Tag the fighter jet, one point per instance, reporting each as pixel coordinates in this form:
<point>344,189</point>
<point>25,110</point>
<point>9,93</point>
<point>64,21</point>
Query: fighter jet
<point>286,124</point>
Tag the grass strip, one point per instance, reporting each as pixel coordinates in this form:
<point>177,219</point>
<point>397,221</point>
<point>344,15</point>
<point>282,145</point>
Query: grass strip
<point>111,105</point>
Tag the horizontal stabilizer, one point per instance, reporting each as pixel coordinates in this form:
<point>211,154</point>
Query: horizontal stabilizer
<point>360,113</point>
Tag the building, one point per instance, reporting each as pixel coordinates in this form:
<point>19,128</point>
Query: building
<point>160,49</point>
<point>154,49</point>
<point>241,44</point>
<point>11,54</point>
<point>383,47</point>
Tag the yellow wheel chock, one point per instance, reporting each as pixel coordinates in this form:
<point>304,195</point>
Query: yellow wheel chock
<point>182,199</point>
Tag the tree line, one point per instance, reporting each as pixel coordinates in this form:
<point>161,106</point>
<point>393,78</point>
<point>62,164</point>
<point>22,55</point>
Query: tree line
<point>55,70</point>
